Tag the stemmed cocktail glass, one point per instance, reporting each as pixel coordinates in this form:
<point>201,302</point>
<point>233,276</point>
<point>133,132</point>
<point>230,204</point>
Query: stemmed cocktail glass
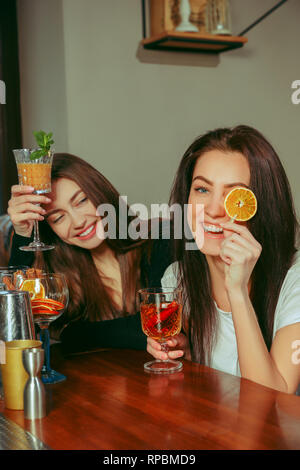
<point>49,298</point>
<point>161,312</point>
<point>10,276</point>
<point>35,173</point>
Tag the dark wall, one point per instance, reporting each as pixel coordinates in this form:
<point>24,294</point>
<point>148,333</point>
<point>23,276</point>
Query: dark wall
<point>10,113</point>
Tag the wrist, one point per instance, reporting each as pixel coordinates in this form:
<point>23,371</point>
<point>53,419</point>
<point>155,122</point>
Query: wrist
<point>238,294</point>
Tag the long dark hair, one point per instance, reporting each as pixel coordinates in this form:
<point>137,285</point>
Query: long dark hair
<point>89,298</point>
<point>274,226</point>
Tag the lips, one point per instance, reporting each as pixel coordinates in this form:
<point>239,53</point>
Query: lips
<point>209,227</point>
<point>87,232</point>
<point>213,231</point>
<point>212,228</point>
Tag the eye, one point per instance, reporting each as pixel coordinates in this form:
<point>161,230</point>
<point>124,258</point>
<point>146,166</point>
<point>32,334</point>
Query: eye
<point>82,200</point>
<point>201,190</point>
<point>56,220</point>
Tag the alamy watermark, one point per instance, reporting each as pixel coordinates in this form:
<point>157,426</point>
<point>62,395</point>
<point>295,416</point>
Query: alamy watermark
<point>296,94</point>
<point>2,92</point>
<point>161,221</point>
<point>296,354</point>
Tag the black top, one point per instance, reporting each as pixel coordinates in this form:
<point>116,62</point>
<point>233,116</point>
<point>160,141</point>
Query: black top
<point>125,332</point>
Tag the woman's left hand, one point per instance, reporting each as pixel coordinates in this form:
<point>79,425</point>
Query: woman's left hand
<point>240,252</point>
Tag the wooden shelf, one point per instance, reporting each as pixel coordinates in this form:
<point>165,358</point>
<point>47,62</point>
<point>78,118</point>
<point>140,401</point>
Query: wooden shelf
<point>193,42</point>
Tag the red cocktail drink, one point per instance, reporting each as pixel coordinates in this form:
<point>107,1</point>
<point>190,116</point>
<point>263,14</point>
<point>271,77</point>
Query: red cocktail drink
<point>161,312</point>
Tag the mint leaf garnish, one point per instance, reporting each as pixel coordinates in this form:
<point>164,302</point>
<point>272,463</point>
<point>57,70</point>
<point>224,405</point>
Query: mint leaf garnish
<point>44,142</point>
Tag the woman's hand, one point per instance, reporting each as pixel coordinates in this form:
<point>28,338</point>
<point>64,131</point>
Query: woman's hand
<point>23,209</point>
<point>240,252</point>
<point>179,342</point>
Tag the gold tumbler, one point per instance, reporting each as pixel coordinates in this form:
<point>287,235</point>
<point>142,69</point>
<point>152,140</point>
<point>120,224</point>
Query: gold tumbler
<point>14,376</point>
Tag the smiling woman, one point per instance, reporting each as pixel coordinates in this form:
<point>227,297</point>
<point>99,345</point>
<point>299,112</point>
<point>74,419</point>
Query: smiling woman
<point>71,215</point>
<point>103,273</point>
<point>242,286</point>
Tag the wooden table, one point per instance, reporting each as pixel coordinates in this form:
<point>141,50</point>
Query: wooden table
<point>109,402</point>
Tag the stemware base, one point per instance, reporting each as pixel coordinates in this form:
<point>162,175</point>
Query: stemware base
<point>36,247</point>
<point>163,367</point>
<point>52,377</point>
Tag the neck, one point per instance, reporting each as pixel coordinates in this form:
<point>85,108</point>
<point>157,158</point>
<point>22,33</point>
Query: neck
<point>216,267</point>
<point>103,255</point>
<point>109,270</point>
<point>217,275</point>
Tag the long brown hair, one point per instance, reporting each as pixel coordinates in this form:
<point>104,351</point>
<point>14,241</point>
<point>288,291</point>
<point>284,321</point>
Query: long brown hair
<point>274,226</point>
<point>89,298</point>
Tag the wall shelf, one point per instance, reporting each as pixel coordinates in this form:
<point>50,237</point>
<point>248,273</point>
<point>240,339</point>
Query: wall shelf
<point>193,42</point>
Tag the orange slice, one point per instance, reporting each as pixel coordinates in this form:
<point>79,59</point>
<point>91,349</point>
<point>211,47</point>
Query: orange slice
<point>45,312</point>
<point>46,301</point>
<point>41,305</point>
<point>34,287</point>
<point>240,204</point>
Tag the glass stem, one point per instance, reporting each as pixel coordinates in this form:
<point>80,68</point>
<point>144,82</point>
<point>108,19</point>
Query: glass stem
<point>36,233</point>
<point>45,338</point>
<point>165,348</point>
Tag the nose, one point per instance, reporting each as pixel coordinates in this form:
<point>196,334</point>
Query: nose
<point>215,206</point>
<point>77,220</point>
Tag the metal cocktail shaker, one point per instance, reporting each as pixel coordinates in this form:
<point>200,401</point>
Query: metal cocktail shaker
<point>34,391</point>
<point>16,320</point>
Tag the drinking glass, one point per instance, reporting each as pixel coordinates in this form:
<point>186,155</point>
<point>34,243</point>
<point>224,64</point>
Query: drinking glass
<point>161,317</point>
<point>36,173</point>
<point>49,298</point>
<point>218,19</point>
<point>10,277</point>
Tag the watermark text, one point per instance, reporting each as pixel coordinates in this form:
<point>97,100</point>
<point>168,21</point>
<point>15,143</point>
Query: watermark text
<point>137,222</point>
<point>296,94</point>
<point>2,92</point>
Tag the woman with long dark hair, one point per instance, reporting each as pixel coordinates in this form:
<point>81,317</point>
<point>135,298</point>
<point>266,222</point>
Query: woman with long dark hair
<point>103,273</point>
<point>242,284</point>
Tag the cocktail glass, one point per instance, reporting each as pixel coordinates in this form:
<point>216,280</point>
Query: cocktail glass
<point>49,298</point>
<point>35,173</point>
<point>161,317</point>
<point>11,277</point>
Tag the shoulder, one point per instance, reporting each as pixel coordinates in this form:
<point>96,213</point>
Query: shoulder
<point>296,262</point>
<point>292,278</point>
<point>288,307</point>
<point>171,275</point>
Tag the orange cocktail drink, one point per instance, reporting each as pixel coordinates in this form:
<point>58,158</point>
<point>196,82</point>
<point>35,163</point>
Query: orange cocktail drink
<point>37,175</point>
<point>34,169</point>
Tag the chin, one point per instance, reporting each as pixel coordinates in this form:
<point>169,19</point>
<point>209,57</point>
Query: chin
<point>88,244</point>
<point>211,248</point>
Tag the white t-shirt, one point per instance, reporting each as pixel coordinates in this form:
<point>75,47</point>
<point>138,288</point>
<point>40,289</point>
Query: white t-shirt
<point>224,354</point>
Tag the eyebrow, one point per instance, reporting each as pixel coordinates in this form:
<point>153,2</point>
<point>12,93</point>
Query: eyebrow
<point>230,185</point>
<point>71,200</point>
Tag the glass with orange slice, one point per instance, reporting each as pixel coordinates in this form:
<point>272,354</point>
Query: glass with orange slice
<point>240,204</point>
<point>49,296</point>
<point>36,173</point>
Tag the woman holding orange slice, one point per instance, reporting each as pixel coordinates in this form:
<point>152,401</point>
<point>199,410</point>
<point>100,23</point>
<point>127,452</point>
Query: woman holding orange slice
<point>242,283</point>
<point>103,275</point>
